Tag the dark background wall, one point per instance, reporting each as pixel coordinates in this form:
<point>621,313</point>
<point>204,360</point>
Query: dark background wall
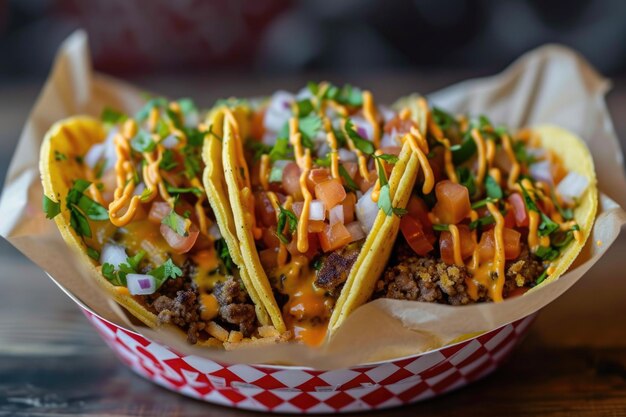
<point>132,38</point>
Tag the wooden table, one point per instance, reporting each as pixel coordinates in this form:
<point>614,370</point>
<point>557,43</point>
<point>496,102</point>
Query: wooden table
<point>573,363</point>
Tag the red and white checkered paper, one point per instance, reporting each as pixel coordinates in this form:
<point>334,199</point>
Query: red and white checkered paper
<point>301,390</point>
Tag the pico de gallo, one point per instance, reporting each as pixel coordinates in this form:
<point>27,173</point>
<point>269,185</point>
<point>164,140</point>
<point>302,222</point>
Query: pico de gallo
<point>500,213</point>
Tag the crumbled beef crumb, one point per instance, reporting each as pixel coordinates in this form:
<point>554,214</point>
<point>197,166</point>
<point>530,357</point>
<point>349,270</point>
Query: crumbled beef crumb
<point>235,305</point>
<point>424,279</point>
<point>411,277</point>
<point>181,311</point>
<point>336,268</point>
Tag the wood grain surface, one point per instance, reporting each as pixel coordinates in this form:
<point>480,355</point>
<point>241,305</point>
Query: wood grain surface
<point>52,363</point>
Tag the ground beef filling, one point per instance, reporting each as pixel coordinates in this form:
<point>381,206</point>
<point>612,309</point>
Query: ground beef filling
<point>178,303</point>
<point>410,277</point>
<point>235,305</point>
<point>336,268</point>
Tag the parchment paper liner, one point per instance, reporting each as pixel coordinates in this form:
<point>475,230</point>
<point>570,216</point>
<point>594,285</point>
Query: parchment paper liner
<point>548,85</point>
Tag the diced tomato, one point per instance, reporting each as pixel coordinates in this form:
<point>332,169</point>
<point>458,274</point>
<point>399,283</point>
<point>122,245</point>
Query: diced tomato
<point>446,244</point>
<point>291,180</point>
<point>316,176</point>
<point>516,292</point>
<point>414,234</point>
<point>391,150</point>
<point>419,210</point>
<point>269,258</point>
<point>314,246</point>
<point>257,129</point>
<point>269,238</point>
<point>401,126</point>
<point>331,192</point>
<point>263,209</point>
<point>348,208</point>
<point>180,244</point>
<point>365,184</point>
<point>334,237</point>
<point>509,219</point>
<point>158,211</point>
<point>519,209</point>
<point>351,168</point>
<point>316,226</point>
<point>296,207</point>
<point>511,239</point>
<point>453,203</point>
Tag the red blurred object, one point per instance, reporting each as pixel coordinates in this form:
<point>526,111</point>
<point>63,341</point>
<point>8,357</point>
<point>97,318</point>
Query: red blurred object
<point>141,36</point>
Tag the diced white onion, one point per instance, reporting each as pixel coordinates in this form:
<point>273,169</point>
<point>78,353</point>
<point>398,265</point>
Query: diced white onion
<point>214,232</point>
<point>366,211</point>
<point>363,127</point>
<point>541,171</point>
<point>356,231</point>
<point>170,141</point>
<point>104,149</point>
<point>317,210</point>
<point>346,155</point>
<point>276,173</point>
<point>536,152</point>
<point>336,214</point>
<point>279,111</point>
<point>140,284</point>
<point>192,119</point>
<point>304,94</point>
<point>113,254</point>
<point>139,189</point>
<point>323,150</point>
<point>390,139</point>
<point>572,187</point>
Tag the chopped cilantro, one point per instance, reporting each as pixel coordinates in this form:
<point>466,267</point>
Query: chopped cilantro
<point>222,251</point>
<point>440,227</point>
<point>304,107</point>
<point>347,178</point>
<point>443,119</point>
<point>168,161</point>
<point>58,156</point>
<point>309,126</point>
<point>483,202</point>
<point>177,223</point>
<point>93,254</point>
<point>165,271</point>
<point>541,277</point>
<point>180,190</point>
<point>466,178</point>
<point>144,112</point>
<point>546,253</point>
<point>50,207</point>
<point>493,188</point>
<point>142,142</point>
<point>482,221</point>
<point>112,116</point>
<point>82,207</point>
<point>360,143</point>
<point>280,150</point>
<point>134,261</point>
<point>285,218</point>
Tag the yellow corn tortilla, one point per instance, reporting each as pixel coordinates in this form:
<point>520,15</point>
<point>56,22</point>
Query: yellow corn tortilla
<point>216,189</point>
<point>576,158</point>
<point>77,135</point>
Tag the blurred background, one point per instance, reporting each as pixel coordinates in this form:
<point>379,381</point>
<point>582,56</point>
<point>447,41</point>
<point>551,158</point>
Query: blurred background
<point>209,49</point>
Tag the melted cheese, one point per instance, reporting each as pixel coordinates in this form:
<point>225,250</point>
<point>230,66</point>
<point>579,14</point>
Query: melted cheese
<point>515,167</point>
<point>456,244</point>
<point>332,143</point>
<point>369,111</point>
<point>264,172</point>
<point>495,290</point>
<point>480,147</point>
<point>307,310</point>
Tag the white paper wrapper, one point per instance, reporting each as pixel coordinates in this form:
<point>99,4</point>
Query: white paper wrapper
<point>549,85</point>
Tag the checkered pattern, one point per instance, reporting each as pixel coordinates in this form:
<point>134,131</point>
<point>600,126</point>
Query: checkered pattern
<point>287,389</point>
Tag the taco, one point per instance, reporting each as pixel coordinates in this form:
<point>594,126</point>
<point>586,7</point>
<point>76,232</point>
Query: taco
<point>317,191</point>
<point>127,194</point>
<point>509,212</point>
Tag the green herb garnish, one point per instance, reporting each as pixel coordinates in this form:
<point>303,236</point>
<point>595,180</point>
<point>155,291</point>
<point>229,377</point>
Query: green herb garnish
<point>177,223</point>
<point>285,218</point>
<point>50,207</point>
